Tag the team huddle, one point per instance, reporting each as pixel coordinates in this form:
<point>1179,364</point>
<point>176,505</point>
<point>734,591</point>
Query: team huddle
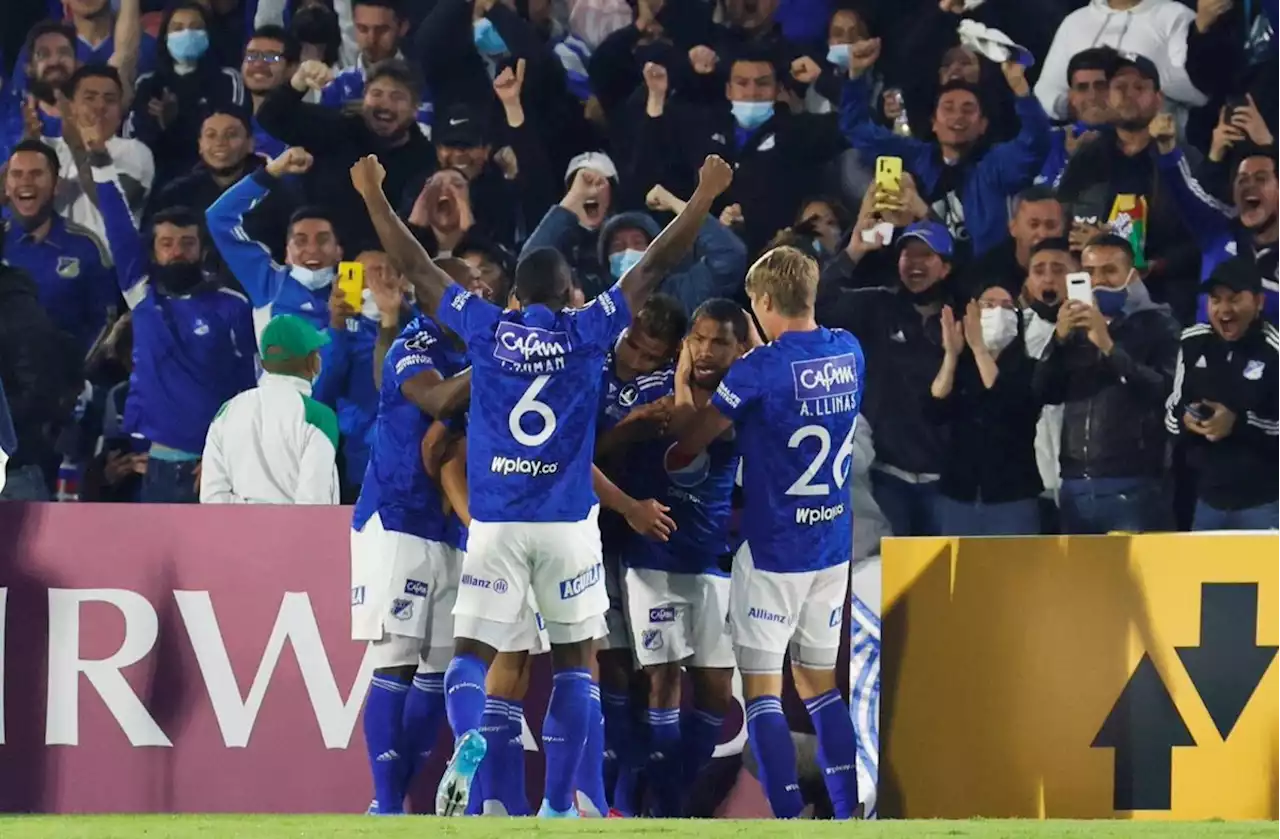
<point>478,539</point>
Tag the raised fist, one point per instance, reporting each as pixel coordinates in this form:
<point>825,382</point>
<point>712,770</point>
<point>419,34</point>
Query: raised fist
<point>367,175</point>
<point>509,83</point>
<point>655,78</point>
<point>862,56</point>
<point>715,176</point>
<point>703,59</point>
<point>291,161</point>
<point>311,75</point>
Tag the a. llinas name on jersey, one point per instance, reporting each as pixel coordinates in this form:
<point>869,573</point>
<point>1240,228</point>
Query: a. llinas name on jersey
<point>529,349</point>
<point>826,386</point>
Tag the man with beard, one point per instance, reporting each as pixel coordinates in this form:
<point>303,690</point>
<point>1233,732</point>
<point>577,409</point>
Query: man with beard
<point>178,314</point>
<point>226,156</point>
<point>1250,230</point>
<point>1122,162</point>
<point>313,248</point>
<point>965,181</point>
<point>95,101</point>
<point>270,59</point>
<point>900,334</point>
<point>32,112</point>
<point>1224,395</point>
<point>385,126</point>
<point>68,262</point>
<point>1088,109</point>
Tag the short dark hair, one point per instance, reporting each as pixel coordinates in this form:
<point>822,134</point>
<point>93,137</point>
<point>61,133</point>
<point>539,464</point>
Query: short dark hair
<point>1094,58</point>
<point>40,148</point>
<point>312,211</point>
<point>1054,243</point>
<point>1034,195</point>
<point>662,317</point>
<point>1250,149</point>
<point>961,84</point>
<point>274,32</point>
<point>178,215</point>
<point>397,70</point>
<point>724,310</point>
<point>750,53</point>
<point>318,25</point>
<point>91,71</point>
<point>542,276</point>
<point>393,5</point>
<point>1111,240</point>
<point>238,114</point>
<point>48,27</point>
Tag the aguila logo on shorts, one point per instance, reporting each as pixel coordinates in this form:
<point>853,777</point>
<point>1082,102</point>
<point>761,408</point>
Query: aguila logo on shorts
<point>577,585</point>
<point>417,588</point>
<point>765,615</point>
<point>498,586</point>
<point>819,377</point>
<point>520,344</point>
<point>401,609</point>
<point>662,614</point>
<point>651,639</point>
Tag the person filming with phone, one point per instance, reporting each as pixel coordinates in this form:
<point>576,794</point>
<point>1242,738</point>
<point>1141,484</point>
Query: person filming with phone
<point>1223,403</point>
<point>1111,366</point>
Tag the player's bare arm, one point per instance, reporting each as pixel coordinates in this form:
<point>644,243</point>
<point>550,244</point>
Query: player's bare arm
<point>438,397</point>
<point>673,243</point>
<point>427,279</point>
<point>644,423</point>
<point>453,477</point>
<point>700,430</point>
<point>648,518</point>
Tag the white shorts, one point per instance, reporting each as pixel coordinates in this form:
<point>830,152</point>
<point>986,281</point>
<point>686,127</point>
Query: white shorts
<point>619,637</point>
<point>531,637</point>
<point>679,616</point>
<point>559,562</point>
<point>402,585</point>
<point>767,608</point>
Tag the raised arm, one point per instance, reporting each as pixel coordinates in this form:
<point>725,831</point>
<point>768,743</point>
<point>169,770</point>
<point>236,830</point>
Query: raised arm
<point>427,279</point>
<point>665,252</point>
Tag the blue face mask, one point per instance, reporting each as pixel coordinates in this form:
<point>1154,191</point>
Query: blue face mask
<point>621,262</point>
<point>188,45</point>
<point>752,115</point>
<point>1110,301</point>
<point>487,39</point>
<point>838,54</point>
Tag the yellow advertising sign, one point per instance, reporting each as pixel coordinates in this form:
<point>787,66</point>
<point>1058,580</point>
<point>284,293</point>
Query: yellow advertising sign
<point>1124,677</point>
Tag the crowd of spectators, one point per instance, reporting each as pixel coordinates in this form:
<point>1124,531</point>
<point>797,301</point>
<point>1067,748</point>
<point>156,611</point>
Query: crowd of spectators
<point>176,174</point>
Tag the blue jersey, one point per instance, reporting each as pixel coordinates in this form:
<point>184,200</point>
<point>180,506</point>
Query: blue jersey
<point>534,398</point>
<point>396,485</point>
<point>794,402</point>
<point>700,496</point>
<point>618,398</point>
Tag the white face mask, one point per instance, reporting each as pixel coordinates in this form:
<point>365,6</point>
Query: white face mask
<point>369,306</point>
<point>999,328</point>
<point>313,280</point>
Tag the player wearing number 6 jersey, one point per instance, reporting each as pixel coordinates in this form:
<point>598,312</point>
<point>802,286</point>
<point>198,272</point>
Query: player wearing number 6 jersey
<point>793,403</point>
<point>532,426</point>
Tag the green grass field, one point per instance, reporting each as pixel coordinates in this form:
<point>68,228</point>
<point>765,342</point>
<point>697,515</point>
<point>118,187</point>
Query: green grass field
<point>317,827</point>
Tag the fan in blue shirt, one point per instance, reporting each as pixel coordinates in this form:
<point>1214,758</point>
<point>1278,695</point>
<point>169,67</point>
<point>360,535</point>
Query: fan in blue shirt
<point>793,403</point>
<point>69,263</point>
<point>532,424</point>
<point>193,341</point>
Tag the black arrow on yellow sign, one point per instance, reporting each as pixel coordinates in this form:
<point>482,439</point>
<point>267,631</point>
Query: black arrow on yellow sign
<point>1143,727</point>
<point>1229,663</point>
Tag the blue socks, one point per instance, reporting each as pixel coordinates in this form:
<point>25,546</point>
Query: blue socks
<point>770,740</point>
<point>564,735</point>
<point>701,736</point>
<point>423,712</point>
<point>383,738</point>
<point>666,779</point>
<point>590,780</point>
<point>464,694</point>
<point>621,750</point>
<point>494,769</point>
<point>837,750</point>
<point>514,757</point>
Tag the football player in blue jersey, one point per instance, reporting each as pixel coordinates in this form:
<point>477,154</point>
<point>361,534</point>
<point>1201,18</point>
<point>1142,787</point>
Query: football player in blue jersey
<point>792,403</point>
<point>677,593</point>
<point>530,439</point>
<point>649,345</point>
<point>406,558</point>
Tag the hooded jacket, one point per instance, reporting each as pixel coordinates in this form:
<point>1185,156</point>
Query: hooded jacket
<point>1156,29</point>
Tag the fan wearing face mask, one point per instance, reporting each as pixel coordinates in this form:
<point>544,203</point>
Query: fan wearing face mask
<point>193,341</point>
<point>1111,366</point>
<point>982,394</point>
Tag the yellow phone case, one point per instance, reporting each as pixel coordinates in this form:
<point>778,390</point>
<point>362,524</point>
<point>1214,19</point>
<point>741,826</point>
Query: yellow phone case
<point>351,283</point>
<point>889,174</point>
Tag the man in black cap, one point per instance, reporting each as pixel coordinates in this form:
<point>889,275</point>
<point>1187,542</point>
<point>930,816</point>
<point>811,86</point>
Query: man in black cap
<point>1224,403</point>
<point>1122,163</point>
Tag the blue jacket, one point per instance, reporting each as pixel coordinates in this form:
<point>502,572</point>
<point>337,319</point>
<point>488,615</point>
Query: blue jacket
<point>270,288</point>
<point>346,385</point>
<point>1213,224</point>
<point>72,270</point>
<point>988,182</point>
<point>190,354</point>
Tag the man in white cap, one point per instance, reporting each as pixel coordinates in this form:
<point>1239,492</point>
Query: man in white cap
<point>573,225</point>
